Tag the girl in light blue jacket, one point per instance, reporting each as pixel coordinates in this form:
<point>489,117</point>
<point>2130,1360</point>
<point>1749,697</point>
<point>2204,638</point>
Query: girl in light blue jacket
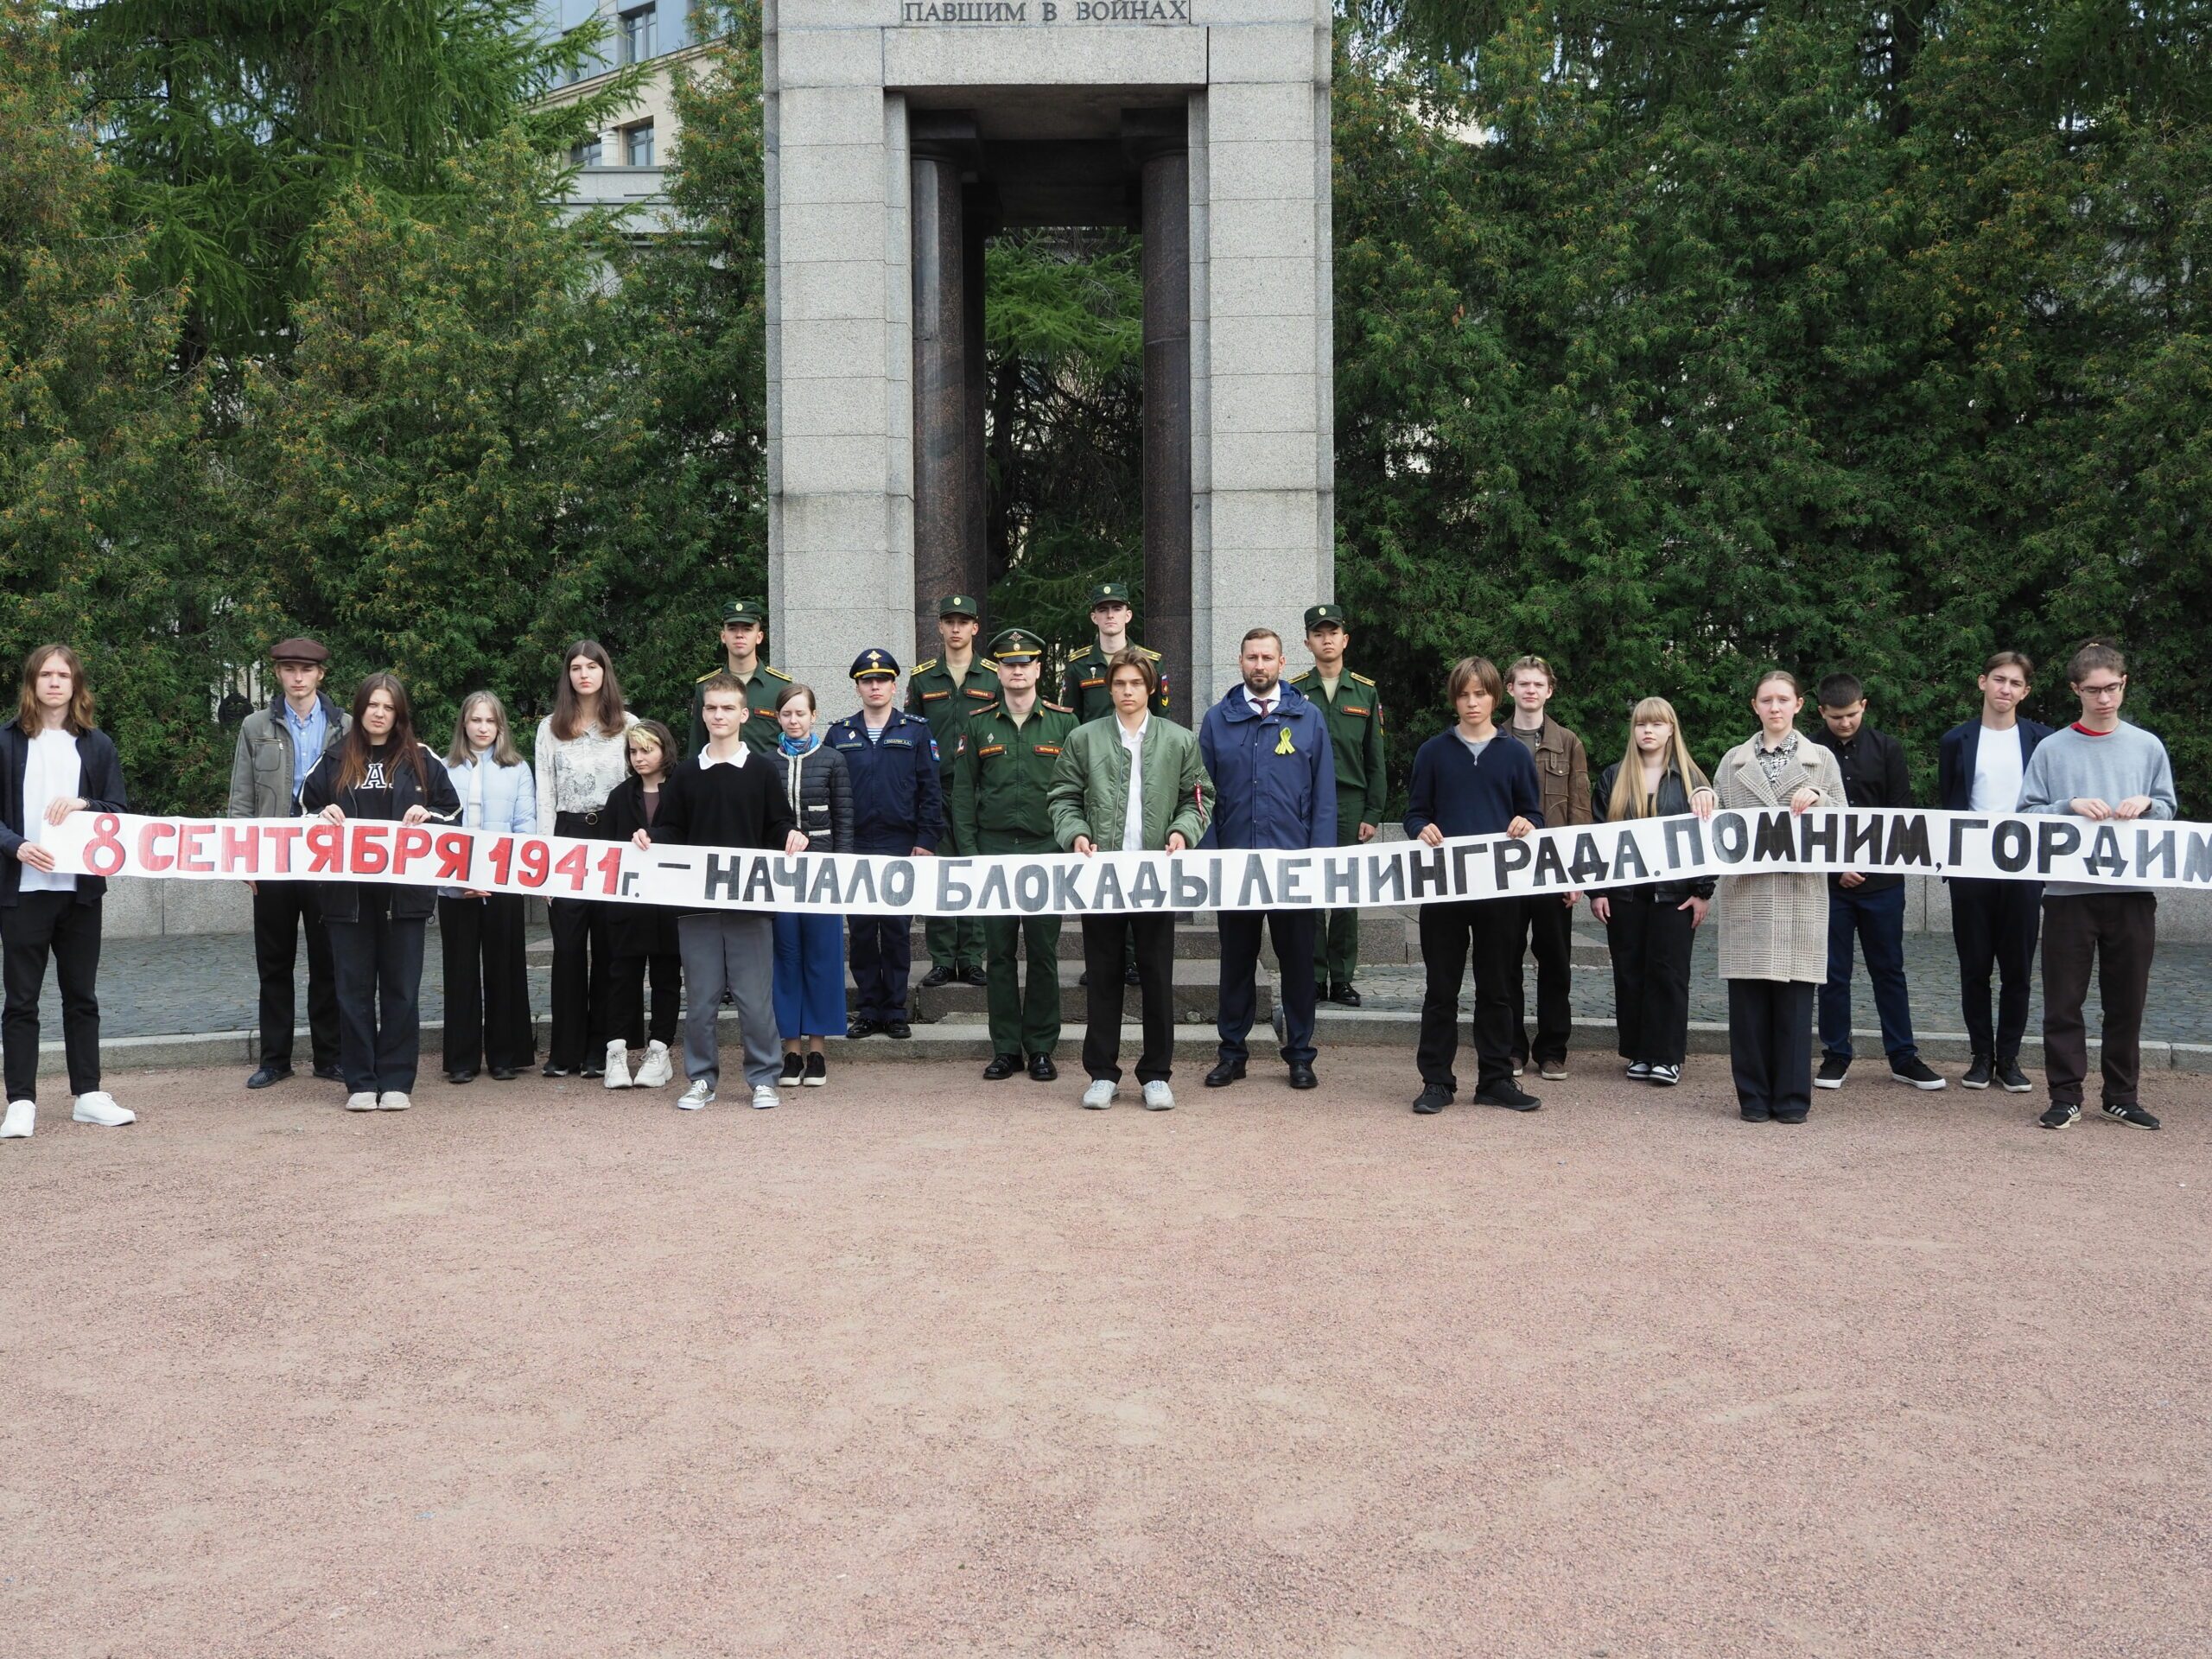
<point>488,986</point>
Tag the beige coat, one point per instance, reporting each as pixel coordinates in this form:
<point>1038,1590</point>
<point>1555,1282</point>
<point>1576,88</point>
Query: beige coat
<point>1775,927</point>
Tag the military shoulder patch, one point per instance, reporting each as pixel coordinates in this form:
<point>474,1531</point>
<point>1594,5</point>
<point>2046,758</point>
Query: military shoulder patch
<point>922,668</point>
<point>1361,678</point>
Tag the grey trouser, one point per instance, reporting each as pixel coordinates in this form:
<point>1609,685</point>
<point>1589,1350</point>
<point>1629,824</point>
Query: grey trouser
<point>733,950</point>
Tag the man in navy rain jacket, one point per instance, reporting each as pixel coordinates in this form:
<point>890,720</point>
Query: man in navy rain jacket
<point>1265,746</point>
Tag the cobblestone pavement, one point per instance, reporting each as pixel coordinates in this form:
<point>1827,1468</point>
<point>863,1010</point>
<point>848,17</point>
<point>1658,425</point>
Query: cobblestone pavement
<point>205,982</point>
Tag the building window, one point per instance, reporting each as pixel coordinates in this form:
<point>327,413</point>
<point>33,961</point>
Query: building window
<point>586,154</point>
<point>638,144</point>
<point>640,33</point>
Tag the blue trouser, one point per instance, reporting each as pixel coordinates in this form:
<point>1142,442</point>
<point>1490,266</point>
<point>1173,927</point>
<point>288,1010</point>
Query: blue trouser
<point>1876,921</point>
<point>1294,932</point>
<point>810,976</point>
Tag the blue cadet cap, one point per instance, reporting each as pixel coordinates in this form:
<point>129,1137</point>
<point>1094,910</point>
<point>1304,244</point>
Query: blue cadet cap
<point>872,662</point>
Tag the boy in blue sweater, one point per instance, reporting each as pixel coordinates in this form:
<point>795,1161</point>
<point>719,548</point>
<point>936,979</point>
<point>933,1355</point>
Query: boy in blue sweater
<point>2102,769</point>
<point>1468,782</point>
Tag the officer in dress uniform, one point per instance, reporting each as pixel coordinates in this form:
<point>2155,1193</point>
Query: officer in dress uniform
<point>1006,756</point>
<point>945,691</point>
<point>744,627</point>
<point>1352,710</point>
<point>898,809</point>
<point>1083,686</point>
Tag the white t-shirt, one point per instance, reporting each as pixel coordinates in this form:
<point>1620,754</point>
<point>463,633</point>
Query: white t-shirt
<point>1132,819</point>
<point>1997,767</point>
<point>52,774</point>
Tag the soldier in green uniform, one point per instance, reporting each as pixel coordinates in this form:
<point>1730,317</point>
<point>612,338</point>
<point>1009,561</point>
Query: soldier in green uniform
<point>945,691</point>
<point>743,630</point>
<point>996,802</point>
<point>1353,711</point>
<point>1083,687</point>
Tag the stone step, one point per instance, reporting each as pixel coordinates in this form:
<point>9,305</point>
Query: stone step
<point>1197,994</point>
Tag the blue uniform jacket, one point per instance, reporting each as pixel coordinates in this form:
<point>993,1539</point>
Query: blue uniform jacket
<point>898,795</point>
<point>1274,779</point>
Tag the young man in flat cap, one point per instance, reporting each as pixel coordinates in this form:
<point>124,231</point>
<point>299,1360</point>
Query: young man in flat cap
<point>898,809</point>
<point>945,691</point>
<point>278,747</point>
<point>1006,757</point>
<point>743,631</point>
<point>1352,709</point>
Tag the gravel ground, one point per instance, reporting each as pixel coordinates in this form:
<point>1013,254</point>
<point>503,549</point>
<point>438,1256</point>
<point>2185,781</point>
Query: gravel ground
<point>914,1366</point>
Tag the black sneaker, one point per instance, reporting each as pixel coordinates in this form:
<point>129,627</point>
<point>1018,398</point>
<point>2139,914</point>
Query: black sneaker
<point>1756,1115</point>
<point>2060,1116</point>
<point>1666,1076</point>
<point>794,1068</point>
<point>1507,1095</point>
<point>1979,1074</point>
<point>1638,1071</point>
<point>2131,1114</point>
<point>818,1070</point>
<point>1432,1099</point>
<point>1833,1066</point>
<point>1913,1073</point>
<point>2012,1078</point>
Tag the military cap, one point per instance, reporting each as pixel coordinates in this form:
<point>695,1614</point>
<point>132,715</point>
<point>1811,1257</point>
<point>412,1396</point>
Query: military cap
<point>960,605</point>
<point>742,610</point>
<point>301,650</point>
<point>1110,593</point>
<point>1019,644</point>
<point>872,663</point>
<point>1316,615</point>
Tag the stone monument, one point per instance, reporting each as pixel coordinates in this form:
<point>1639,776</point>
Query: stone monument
<point>900,134</point>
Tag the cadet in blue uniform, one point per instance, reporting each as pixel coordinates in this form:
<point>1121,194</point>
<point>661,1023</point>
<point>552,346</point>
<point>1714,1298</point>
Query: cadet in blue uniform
<point>898,809</point>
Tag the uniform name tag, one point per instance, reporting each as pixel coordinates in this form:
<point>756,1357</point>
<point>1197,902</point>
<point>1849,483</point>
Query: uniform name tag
<point>1353,708</point>
<point>1048,748</point>
<point>979,696</point>
<point>1087,684</point>
<point>934,697</point>
<point>992,748</point>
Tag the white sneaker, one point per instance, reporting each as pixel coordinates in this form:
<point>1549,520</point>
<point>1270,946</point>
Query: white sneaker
<point>393,1100</point>
<point>364,1102</point>
<point>654,1071</point>
<point>1158,1097</point>
<point>763,1097</point>
<point>1100,1094</point>
<point>98,1107</point>
<point>618,1065</point>
<point>699,1094</point>
<point>21,1114</point>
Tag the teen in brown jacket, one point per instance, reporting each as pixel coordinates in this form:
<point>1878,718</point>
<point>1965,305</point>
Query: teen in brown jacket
<point>1563,785</point>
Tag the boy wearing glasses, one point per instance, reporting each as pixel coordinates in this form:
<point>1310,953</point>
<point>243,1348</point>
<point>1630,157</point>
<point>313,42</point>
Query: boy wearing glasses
<point>2102,769</point>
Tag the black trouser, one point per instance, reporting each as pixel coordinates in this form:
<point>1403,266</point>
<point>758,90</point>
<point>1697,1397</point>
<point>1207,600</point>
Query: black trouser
<point>582,1022</point>
<point>630,973</point>
<point>487,983</point>
<point>1770,1044</point>
<point>2118,933</point>
<point>43,923</point>
<point>1488,932</point>
<point>1546,925</point>
<point>1649,939</point>
<point>281,910</point>
<point>1994,923</point>
<point>379,963</point>
<point>1295,933</point>
<point>883,953</point>
<point>1152,939</point>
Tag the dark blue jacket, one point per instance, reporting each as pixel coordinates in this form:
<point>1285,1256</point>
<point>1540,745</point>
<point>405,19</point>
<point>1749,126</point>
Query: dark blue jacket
<point>1468,798</point>
<point>1274,779</point>
<point>100,785</point>
<point>898,790</point>
<point>1955,759</point>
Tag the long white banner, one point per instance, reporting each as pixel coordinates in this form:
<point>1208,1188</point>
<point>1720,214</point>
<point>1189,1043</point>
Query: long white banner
<point>2143,853</point>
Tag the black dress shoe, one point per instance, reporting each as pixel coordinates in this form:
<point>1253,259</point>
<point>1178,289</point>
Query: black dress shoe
<point>549,1070</point>
<point>1344,996</point>
<point>1042,1069</point>
<point>460,1077</point>
<point>1302,1076</point>
<point>1130,976</point>
<point>268,1074</point>
<point>1002,1067</point>
<point>1083,978</point>
<point>503,1074</point>
<point>860,1028</point>
<point>1224,1073</point>
<point>976,976</point>
<point>938,975</point>
<point>329,1074</point>
<point>898,1029</point>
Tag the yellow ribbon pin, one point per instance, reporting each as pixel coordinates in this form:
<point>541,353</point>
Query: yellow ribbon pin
<point>1282,743</point>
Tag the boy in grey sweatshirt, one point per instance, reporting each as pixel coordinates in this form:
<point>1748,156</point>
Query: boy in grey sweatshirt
<point>2102,769</point>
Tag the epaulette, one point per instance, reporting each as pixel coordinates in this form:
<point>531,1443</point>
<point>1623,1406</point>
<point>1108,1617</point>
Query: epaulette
<point>1057,708</point>
<point>985,663</point>
<point>1150,653</point>
<point>708,675</point>
<point>991,707</point>
<point>1349,675</point>
<point>1300,679</point>
<point>775,674</point>
<point>922,668</point>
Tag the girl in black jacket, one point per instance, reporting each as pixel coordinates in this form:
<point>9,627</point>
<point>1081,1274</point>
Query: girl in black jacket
<point>379,772</point>
<point>53,762</point>
<point>809,982</point>
<point>641,938</point>
<point>1649,929</point>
